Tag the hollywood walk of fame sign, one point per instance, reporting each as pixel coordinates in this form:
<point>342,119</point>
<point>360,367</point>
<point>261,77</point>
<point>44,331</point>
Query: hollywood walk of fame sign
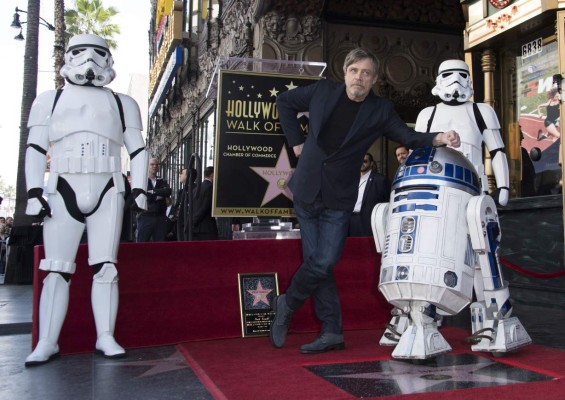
<point>256,291</point>
<point>253,162</point>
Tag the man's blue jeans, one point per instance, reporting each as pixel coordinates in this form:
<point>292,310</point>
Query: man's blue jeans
<point>323,233</point>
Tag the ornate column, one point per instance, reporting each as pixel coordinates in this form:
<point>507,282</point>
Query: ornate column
<point>488,64</point>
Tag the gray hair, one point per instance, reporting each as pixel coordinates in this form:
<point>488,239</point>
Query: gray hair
<point>358,54</point>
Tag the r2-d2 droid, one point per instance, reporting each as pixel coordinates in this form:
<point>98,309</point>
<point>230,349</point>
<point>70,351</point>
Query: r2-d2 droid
<point>439,238</point>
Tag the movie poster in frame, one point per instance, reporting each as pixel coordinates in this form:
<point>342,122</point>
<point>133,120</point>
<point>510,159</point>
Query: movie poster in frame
<point>253,163</point>
<point>256,292</point>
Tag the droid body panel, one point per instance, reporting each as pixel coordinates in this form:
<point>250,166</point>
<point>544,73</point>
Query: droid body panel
<point>427,253</point>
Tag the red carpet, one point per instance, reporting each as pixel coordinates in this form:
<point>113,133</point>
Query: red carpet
<point>251,369</point>
<point>187,293</point>
<point>173,292</point>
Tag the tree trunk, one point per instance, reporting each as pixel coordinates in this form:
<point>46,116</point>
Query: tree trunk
<point>59,46</point>
<point>28,95</point>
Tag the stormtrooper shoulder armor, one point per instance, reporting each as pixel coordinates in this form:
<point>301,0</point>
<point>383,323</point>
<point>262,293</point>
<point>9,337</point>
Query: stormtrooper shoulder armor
<point>41,109</point>
<point>423,118</point>
<point>489,116</point>
<point>132,115</point>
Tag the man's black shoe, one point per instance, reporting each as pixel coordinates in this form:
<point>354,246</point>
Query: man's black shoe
<point>325,342</point>
<point>279,327</point>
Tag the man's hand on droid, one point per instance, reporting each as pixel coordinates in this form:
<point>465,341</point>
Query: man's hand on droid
<point>137,200</point>
<point>37,206</point>
<point>449,138</point>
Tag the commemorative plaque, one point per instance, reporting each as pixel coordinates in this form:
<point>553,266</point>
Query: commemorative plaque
<point>256,291</point>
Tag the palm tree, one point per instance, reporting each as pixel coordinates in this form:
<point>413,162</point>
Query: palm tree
<point>90,16</point>
<point>59,46</point>
<point>28,95</point>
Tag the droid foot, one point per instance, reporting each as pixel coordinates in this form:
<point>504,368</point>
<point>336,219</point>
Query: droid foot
<point>420,343</point>
<point>495,335</point>
<point>421,339</point>
<point>500,336</point>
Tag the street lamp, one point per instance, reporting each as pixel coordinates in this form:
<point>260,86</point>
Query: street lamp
<point>17,24</point>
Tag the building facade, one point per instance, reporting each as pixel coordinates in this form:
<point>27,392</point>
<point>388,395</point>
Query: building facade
<point>410,38</point>
<point>517,52</point>
<point>512,46</point>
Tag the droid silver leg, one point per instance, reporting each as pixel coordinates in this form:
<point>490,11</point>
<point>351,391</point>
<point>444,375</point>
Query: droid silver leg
<point>494,330</point>
<point>395,328</point>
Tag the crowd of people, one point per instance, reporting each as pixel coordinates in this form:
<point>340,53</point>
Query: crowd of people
<point>165,218</point>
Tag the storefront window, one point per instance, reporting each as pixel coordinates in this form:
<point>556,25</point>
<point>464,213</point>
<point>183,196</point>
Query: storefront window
<point>539,120</point>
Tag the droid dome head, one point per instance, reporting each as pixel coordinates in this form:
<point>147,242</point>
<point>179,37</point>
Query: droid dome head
<point>453,85</point>
<point>88,61</point>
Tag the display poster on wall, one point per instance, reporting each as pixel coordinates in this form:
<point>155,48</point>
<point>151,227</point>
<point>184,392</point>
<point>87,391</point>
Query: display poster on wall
<point>538,109</point>
<point>253,162</point>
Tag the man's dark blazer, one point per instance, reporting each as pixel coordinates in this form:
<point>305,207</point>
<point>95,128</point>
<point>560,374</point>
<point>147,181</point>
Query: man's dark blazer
<point>204,224</point>
<point>156,201</point>
<point>377,190</point>
<point>336,175</point>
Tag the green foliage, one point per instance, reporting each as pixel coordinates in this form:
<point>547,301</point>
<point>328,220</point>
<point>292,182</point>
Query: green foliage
<point>90,16</point>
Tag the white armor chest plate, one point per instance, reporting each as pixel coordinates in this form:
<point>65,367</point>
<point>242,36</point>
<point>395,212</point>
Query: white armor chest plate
<point>462,120</point>
<point>85,132</point>
<point>83,109</point>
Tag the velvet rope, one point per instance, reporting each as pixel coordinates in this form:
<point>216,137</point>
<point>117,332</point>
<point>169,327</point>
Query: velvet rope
<point>530,273</point>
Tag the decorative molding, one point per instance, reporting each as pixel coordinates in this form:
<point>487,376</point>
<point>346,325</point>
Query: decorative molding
<point>399,12</point>
<point>500,3</point>
<point>504,20</point>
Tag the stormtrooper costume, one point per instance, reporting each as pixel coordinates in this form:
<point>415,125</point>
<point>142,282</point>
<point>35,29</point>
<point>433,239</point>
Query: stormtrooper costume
<point>81,130</point>
<point>413,328</point>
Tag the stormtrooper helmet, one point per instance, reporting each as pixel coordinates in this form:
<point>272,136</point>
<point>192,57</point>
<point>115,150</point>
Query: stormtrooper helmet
<point>453,85</point>
<point>88,61</point>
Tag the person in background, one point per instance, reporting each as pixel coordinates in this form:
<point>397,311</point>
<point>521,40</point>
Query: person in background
<point>402,152</point>
<point>9,225</point>
<point>345,120</point>
<point>373,188</point>
<point>3,247</point>
<point>551,120</point>
<point>204,225</point>
<point>152,223</point>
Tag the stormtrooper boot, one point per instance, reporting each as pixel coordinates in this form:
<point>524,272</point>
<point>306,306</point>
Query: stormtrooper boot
<point>105,308</point>
<point>52,311</point>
